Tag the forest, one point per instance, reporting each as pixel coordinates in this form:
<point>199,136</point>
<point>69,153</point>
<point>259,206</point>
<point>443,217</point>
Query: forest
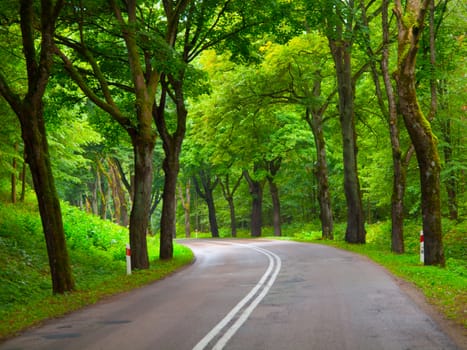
<point>174,118</point>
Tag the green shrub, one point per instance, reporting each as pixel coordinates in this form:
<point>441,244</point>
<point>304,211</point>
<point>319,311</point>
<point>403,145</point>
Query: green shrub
<point>97,254</point>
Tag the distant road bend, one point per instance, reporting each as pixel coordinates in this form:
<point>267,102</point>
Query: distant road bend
<point>248,295</point>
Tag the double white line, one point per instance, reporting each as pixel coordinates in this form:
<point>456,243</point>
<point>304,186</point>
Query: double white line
<point>245,307</point>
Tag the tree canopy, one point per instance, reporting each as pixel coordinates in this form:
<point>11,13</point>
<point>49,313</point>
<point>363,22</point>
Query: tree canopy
<point>346,112</point>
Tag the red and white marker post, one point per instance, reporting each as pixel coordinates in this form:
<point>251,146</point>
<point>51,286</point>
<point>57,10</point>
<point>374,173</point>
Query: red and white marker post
<point>422,247</point>
<point>128,260</point>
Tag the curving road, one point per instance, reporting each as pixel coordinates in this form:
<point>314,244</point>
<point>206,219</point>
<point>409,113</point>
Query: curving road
<point>252,294</point>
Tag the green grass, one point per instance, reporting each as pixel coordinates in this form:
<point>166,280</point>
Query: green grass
<point>446,288</point>
<point>97,254</point>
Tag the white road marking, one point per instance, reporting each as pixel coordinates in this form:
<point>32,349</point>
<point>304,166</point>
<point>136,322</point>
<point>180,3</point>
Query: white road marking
<point>266,282</point>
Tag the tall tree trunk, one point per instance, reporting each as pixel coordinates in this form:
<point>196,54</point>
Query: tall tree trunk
<point>314,119</point>
<point>145,81</point>
<point>399,170</point>
<point>212,215</point>
<point>276,208</point>
<point>207,193</point>
<point>341,52</point>
<point>256,191</point>
<point>410,27</point>
<point>233,220</point>
<point>35,142</point>
<point>168,228</point>
<point>171,166</point>
<point>30,114</point>
<point>139,217</point>
<point>172,144</point>
<point>436,88</point>
<point>228,195</point>
<point>273,167</point>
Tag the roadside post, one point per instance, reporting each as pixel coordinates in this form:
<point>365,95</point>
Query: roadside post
<point>128,260</point>
<point>422,247</point>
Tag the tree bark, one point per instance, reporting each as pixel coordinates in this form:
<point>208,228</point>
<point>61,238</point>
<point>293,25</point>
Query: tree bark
<point>313,117</point>
<point>34,137</point>
<point>139,217</point>
<point>276,208</point>
<point>30,114</point>
<point>212,215</point>
<point>145,82</point>
<point>172,144</point>
<point>399,170</point>
<point>256,191</point>
<point>341,52</point>
<point>410,27</point>
<point>273,167</point>
<point>228,195</point>
<point>171,168</point>
<point>208,196</point>
<point>436,88</point>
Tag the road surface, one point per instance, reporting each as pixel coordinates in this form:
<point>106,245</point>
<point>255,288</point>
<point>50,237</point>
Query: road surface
<point>248,295</point>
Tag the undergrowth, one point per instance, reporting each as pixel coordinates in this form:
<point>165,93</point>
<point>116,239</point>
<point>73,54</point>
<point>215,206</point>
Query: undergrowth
<point>97,254</point>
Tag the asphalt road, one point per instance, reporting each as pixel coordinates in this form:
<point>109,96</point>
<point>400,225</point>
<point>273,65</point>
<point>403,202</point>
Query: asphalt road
<point>250,295</point>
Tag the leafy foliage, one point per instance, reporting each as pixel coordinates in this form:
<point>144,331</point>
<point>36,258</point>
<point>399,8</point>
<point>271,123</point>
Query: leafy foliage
<point>97,251</point>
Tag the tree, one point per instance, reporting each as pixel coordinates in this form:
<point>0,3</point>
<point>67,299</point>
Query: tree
<point>294,74</point>
<point>440,50</point>
<point>247,129</point>
<point>160,40</point>
<point>338,18</point>
<point>399,160</point>
<point>228,191</point>
<point>273,167</point>
<point>30,112</point>
<point>143,83</point>
<point>256,191</point>
<point>340,42</point>
<point>192,28</point>
<point>205,183</point>
<point>410,24</point>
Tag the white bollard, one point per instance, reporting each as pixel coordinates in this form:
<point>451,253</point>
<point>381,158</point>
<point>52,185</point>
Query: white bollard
<point>128,260</point>
<point>422,247</point>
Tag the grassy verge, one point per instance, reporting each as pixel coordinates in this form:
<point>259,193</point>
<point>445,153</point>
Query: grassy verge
<point>97,253</point>
<point>32,313</point>
<point>446,288</point>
